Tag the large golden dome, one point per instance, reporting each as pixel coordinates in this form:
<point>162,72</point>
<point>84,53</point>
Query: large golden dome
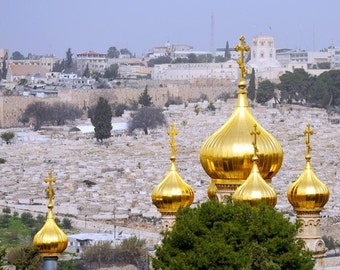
<point>50,240</point>
<point>255,189</point>
<point>226,156</point>
<point>308,193</point>
<point>172,193</point>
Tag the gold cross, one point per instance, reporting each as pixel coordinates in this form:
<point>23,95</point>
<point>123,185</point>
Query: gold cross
<point>255,133</point>
<point>242,48</point>
<point>308,132</point>
<point>50,179</point>
<point>172,133</point>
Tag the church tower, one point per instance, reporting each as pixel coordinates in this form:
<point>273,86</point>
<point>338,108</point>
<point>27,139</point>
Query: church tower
<point>172,192</point>
<point>50,240</point>
<point>226,155</point>
<point>308,195</point>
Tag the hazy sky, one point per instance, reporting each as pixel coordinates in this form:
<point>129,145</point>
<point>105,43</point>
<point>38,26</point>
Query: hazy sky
<point>51,27</point>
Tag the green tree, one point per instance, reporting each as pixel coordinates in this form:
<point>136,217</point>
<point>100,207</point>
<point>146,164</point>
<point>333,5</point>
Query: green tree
<point>159,60</point>
<point>125,52</point>
<point>227,54</point>
<point>147,118</point>
<point>111,72</point>
<point>86,72</point>
<point>66,224</point>
<point>16,55</point>
<point>144,98</point>
<point>57,113</point>
<point>265,91</point>
<point>112,52</point>
<point>98,255</point>
<point>326,90</point>
<point>27,258</point>
<point>134,250</point>
<point>231,235</point>
<point>101,120</point>
<point>294,85</point>
<point>7,136</point>
<point>120,108</point>
<point>69,61</point>
<point>220,59</point>
<point>23,81</point>
<point>36,111</point>
<point>251,87</point>
<point>2,256</point>
<point>59,66</point>
<point>192,58</point>
<point>4,66</point>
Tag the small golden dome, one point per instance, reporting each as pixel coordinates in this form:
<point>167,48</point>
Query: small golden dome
<point>226,156</point>
<point>212,191</point>
<point>255,189</point>
<point>50,240</point>
<point>308,193</point>
<point>172,193</point>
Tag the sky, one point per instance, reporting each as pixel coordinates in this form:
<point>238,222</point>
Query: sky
<point>51,27</point>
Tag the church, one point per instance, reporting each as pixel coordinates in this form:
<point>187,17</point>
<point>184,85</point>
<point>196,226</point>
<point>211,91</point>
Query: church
<point>240,158</point>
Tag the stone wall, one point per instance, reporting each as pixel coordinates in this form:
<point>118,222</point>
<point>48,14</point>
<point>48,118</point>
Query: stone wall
<point>12,107</point>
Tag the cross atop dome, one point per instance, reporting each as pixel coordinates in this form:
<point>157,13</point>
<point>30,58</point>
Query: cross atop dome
<point>255,133</point>
<point>242,48</point>
<point>173,132</point>
<point>308,132</point>
<point>50,180</point>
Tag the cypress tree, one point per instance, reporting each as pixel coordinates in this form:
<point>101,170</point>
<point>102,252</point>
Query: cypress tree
<point>101,120</point>
<point>251,87</point>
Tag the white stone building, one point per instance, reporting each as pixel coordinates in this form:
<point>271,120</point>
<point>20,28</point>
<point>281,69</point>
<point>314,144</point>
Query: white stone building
<point>193,71</point>
<point>263,58</point>
<point>95,61</point>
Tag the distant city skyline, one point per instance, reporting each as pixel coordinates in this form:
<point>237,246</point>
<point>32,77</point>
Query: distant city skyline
<point>51,27</point>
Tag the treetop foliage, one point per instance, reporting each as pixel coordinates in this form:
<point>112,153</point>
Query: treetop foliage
<point>251,87</point>
<point>56,114</point>
<point>101,119</point>
<point>147,118</point>
<point>144,98</point>
<point>231,236</point>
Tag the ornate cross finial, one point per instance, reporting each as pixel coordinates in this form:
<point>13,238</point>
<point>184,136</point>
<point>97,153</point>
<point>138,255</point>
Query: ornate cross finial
<point>308,132</point>
<point>255,133</point>
<point>172,133</point>
<point>50,179</point>
<point>242,48</point>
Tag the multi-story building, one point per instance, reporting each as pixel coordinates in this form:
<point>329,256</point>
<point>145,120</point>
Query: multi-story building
<point>334,54</point>
<point>263,58</point>
<point>47,62</point>
<point>168,50</point>
<point>194,71</point>
<point>95,61</point>
<point>287,56</point>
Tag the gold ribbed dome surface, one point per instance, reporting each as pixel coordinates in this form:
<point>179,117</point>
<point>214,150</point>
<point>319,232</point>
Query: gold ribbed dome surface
<point>226,155</point>
<point>50,240</point>
<point>172,192</point>
<point>212,191</point>
<point>308,193</point>
<point>255,189</point>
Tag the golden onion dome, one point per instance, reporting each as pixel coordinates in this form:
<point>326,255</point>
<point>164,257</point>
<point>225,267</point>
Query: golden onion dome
<point>226,155</point>
<point>173,192</point>
<point>255,189</point>
<point>308,193</point>
<point>50,240</point>
<point>212,191</point>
